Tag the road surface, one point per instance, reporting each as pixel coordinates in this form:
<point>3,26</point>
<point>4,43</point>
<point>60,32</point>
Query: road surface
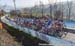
<point>70,37</point>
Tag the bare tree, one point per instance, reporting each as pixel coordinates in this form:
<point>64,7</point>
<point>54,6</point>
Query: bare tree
<point>69,9</point>
<point>14,4</point>
<point>61,9</point>
<point>50,7</point>
<point>41,4</point>
<point>55,11</point>
<point>36,9</point>
<point>3,12</point>
<point>31,12</point>
<point>12,12</point>
<point>57,14</point>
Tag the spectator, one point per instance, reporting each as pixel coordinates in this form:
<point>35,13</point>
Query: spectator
<point>1,26</point>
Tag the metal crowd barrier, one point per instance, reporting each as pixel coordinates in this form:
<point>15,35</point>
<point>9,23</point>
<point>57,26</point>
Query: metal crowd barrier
<point>52,40</point>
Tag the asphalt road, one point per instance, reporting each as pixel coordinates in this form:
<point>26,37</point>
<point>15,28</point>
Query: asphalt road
<point>70,37</point>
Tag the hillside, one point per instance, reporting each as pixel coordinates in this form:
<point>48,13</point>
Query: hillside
<point>7,40</point>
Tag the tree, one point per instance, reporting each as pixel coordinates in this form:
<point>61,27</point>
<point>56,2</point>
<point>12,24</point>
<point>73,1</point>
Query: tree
<point>50,7</point>
<point>57,14</point>
<point>14,2</point>
<point>12,12</point>
<point>55,11</point>
<point>31,12</point>
<point>3,12</point>
<point>42,8</point>
<point>35,9</point>
<point>69,9</point>
<point>61,9</point>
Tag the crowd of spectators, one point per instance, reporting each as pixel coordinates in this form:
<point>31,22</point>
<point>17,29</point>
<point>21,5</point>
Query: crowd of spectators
<point>44,25</point>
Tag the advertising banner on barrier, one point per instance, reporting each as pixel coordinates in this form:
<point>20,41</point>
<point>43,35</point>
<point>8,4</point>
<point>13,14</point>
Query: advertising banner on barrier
<point>26,30</point>
<point>32,32</point>
<point>44,37</point>
<point>37,35</point>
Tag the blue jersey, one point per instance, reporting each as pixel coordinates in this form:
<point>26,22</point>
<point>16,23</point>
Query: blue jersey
<point>49,22</point>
